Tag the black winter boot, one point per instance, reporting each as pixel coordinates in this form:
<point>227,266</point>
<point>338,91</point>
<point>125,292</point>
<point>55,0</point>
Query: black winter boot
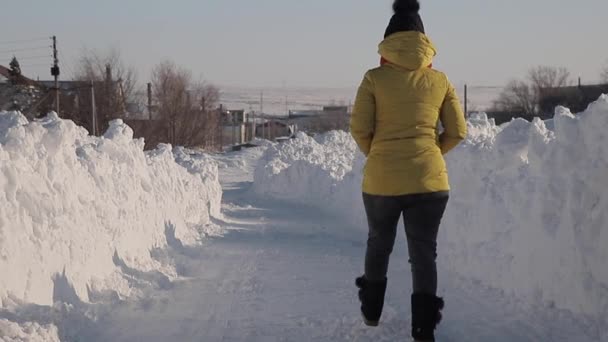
<point>371,295</point>
<point>426,314</point>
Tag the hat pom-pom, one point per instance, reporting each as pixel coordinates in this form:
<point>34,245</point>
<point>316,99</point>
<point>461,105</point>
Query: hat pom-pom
<point>406,6</point>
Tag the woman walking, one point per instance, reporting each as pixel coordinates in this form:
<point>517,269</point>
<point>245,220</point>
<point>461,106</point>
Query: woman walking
<point>395,122</point>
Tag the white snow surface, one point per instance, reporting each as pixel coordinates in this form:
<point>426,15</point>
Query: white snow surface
<point>528,212</point>
<point>27,332</point>
<point>313,171</point>
<point>78,214</point>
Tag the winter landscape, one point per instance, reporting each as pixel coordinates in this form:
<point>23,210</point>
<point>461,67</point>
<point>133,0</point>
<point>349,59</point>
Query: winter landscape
<point>194,172</point>
<point>105,242</point>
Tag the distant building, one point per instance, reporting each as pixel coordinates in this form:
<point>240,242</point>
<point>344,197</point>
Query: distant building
<point>335,109</point>
<point>234,126</point>
<point>577,98</point>
<point>5,77</point>
<point>21,94</point>
<point>230,117</point>
<point>274,128</point>
<point>320,121</point>
<point>37,98</point>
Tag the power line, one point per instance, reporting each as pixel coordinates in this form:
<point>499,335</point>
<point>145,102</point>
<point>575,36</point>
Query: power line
<point>63,63</point>
<point>25,49</point>
<point>485,87</point>
<point>11,42</point>
<point>34,57</point>
<point>36,65</point>
<point>23,55</point>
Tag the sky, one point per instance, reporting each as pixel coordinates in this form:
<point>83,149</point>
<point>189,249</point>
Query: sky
<point>311,43</point>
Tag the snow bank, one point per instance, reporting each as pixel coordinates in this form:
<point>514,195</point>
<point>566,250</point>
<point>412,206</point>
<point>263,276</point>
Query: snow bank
<point>529,206</point>
<point>28,331</point>
<point>310,171</point>
<point>74,209</point>
<point>529,209</point>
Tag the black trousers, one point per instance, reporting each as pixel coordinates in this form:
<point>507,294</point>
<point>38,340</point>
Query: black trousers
<point>422,214</point>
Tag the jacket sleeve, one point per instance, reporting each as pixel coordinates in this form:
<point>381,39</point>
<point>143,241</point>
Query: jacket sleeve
<point>453,121</point>
<point>363,118</point>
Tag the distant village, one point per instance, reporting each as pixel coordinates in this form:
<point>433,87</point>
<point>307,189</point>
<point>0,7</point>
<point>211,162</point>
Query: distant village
<point>94,104</point>
<point>202,121</point>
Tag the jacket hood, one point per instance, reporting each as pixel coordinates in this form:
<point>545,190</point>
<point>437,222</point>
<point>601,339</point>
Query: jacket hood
<point>411,50</point>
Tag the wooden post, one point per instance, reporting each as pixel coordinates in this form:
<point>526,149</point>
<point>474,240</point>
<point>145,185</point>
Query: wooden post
<point>93,110</point>
<point>253,128</point>
<point>232,119</point>
<point>262,115</point>
<point>55,73</point>
<point>150,101</point>
<point>466,101</point>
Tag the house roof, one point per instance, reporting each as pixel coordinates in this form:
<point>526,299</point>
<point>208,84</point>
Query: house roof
<point>577,98</point>
<point>6,74</point>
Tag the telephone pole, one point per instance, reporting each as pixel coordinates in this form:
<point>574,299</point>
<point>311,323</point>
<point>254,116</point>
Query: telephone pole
<point>233,117</point>
<point>466,100</point>
<point>55,73</point>
<point>93,110</point>
<point>262,115</point>
<point>150,101</point>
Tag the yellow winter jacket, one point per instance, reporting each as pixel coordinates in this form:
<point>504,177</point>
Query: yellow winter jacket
<point>395,120</point>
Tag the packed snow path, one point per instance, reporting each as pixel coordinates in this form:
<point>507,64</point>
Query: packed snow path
<point>279,274</point>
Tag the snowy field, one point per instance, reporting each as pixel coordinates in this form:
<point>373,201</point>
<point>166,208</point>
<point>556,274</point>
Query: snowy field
<point>100,241</point>
<point>278,101</point>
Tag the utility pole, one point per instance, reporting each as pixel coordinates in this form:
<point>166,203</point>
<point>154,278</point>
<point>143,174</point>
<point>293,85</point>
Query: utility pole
<point>150,101</point>
<point>254,126</point>
<point>262,115</point>
<point>93,110</point>
<point>466,101</point>
<point>232,114</point>
<point>55,73</point>
<point>286,102</point>
<point>109,111</point>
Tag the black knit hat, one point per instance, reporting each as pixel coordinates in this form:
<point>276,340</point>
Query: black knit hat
<point>406,17</point>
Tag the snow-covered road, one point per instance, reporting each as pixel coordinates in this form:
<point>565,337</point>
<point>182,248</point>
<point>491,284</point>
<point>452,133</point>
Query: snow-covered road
<point>281,274</point>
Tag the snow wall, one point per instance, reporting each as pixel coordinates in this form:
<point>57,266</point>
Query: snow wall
<point>75,209</point>
<point>528,211</point>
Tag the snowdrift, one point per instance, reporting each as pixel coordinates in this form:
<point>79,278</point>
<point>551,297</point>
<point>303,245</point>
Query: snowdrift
<point>528,211</point>
<point>76,209</point>
<point>323,172</point>
<point>28,331</point>
<point>306,169</point>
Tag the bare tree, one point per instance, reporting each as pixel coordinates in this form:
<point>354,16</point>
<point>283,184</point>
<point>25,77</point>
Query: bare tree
<point>93,66</point>
<point>114,83</point>
<point>199,123</point>
<point>524,98</point>
<point>604,75</point>
<point>170,88</point>
<point>518,97</point>
<point>545,77</point>
<point>187,107</point>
